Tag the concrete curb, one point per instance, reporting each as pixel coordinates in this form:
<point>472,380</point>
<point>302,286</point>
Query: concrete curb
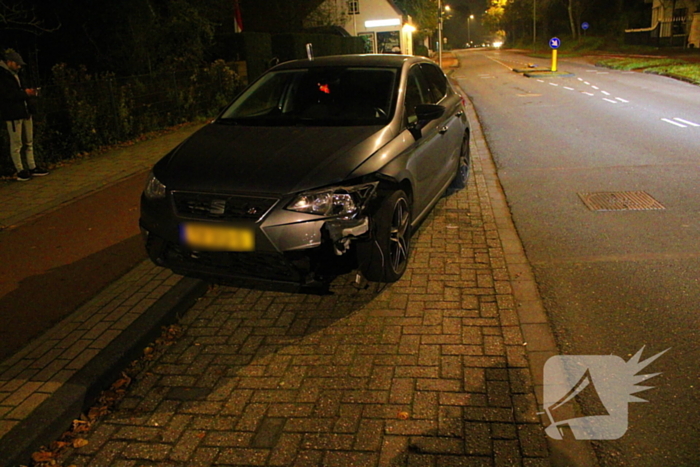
<point>51,419</point>
<point>542,73</point>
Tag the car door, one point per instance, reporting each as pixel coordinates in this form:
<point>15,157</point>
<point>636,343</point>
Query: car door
<point>450,125</point>
<point>430,151</point>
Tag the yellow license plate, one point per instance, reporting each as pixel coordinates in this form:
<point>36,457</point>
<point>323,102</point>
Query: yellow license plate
<point>218,237</point>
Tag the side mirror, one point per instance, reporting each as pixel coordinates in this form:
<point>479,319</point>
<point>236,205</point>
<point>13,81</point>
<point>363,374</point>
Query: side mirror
<point>425,114</point>
<point>428,112</point>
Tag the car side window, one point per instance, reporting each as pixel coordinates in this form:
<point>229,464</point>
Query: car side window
<point>417,92</point>
<point>436,81</point>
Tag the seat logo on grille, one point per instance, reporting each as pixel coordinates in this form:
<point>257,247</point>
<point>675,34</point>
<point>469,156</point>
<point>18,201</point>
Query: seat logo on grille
<point>218,206</point>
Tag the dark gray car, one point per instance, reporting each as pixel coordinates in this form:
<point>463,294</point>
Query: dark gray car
<point>318,168</point>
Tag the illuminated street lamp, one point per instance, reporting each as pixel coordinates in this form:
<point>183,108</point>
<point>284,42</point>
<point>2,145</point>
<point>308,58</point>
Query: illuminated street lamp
<point>440,11</point>
<point>469,33</point>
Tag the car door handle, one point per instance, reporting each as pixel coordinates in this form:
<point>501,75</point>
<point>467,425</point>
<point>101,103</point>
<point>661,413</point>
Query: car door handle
<point>443,130</point>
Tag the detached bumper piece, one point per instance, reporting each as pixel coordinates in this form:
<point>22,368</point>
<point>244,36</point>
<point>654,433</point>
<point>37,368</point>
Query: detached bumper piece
<point>342,231</point>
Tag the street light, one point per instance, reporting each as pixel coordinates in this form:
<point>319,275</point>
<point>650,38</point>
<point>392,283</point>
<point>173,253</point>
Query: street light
<point>447,8</point>
<point>469,33</point>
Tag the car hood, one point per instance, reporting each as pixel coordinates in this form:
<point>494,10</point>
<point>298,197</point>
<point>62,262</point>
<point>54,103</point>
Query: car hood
<point>275,160</point>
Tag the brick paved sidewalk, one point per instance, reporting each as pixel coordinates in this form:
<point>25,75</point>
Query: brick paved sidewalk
<point>432,370</point>
<point>23,200</point>
<point>33,378</point>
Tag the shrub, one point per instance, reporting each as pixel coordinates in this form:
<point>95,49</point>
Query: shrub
<point>80,111</point>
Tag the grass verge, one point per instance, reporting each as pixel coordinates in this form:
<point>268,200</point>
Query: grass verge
<point>684,65</point>
<point>672,67</point>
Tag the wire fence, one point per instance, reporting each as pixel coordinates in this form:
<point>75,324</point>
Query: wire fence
<point>81,112</point>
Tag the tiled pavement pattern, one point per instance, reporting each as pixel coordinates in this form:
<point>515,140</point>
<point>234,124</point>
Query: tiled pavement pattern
<point>430,371</point>
<point>34,373</point>
<point>31,376</point>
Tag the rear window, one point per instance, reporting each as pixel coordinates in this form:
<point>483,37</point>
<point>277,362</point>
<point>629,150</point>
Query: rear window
<point>335,96</point>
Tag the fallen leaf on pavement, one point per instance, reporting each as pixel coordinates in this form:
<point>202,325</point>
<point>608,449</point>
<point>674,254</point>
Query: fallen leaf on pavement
<point>43,456</point>
<point>79,442</point>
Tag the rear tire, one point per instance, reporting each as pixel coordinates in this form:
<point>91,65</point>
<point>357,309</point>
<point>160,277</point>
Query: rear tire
<point>463,167</point>
<point>385,257</point>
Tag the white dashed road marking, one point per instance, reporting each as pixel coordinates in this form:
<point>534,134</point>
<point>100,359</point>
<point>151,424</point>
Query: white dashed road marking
<point>679,122</point>
<point>674,123</point>
<point>686,122</point>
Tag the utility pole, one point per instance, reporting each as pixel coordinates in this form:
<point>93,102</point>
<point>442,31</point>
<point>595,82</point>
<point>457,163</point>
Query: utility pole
<point>440,33</point>
<point>534,22</point>
<point>469,31</point>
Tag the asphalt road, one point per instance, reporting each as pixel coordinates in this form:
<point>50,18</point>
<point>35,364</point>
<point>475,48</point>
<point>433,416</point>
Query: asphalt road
<point>56,262</point>
<point>612,281</point>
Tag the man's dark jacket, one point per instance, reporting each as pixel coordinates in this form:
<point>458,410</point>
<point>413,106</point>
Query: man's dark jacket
<point>13,99</point>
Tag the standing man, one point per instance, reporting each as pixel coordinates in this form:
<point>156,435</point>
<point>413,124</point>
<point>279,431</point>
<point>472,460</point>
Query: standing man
<point>15,111</point>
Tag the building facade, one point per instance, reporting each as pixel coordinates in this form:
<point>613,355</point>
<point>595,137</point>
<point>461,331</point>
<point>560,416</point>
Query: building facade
<point>673,23</point>
<point>380,23</point>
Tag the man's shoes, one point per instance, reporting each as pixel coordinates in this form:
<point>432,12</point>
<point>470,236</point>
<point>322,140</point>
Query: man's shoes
<point>38,172</point>
<point>24,175</point>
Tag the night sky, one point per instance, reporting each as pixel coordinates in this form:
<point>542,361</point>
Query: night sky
<point>456,29</point>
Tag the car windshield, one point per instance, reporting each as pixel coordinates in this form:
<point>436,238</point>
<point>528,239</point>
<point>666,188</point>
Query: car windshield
<point>334,96</point>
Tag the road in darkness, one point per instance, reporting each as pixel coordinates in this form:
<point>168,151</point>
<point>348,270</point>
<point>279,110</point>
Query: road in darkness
<point>612,281</point>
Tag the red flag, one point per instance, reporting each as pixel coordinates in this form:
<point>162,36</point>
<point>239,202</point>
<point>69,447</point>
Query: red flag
<point>237,18</point>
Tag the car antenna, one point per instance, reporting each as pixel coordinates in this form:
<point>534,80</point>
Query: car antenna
<point>310,51</point>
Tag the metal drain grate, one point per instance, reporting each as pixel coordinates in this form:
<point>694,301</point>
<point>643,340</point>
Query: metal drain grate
<point>620,201</point>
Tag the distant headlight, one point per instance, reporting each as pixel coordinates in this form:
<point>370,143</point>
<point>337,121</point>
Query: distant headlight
<point>333,202</point>
<point>154,188</point>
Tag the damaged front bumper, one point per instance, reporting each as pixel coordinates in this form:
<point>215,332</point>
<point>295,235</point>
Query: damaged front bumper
<point>301,252</point>
<point>342,232</point>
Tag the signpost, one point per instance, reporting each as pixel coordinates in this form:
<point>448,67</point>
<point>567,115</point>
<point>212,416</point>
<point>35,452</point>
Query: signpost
<point>554,43</point>
<point>585,27</point>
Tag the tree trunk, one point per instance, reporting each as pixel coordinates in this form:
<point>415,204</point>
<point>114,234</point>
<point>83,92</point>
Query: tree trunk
<point>572,23</point>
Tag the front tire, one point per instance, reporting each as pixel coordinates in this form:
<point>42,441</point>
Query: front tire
<point>385,257</point>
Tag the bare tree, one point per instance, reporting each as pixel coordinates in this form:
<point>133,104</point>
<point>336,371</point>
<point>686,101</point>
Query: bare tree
<point>329,13</point>
<point>16,15</point>
<point>423,12</point>
<point>276,15</point>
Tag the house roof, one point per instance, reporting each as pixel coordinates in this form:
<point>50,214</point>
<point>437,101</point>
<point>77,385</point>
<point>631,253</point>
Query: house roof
<point>393,4</point>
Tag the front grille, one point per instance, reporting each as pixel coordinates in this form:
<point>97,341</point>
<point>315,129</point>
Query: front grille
<point>221,207</point>
<point>270,266</point>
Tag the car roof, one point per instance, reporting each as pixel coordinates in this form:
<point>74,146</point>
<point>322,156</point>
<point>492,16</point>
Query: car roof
<point>373,60</point>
